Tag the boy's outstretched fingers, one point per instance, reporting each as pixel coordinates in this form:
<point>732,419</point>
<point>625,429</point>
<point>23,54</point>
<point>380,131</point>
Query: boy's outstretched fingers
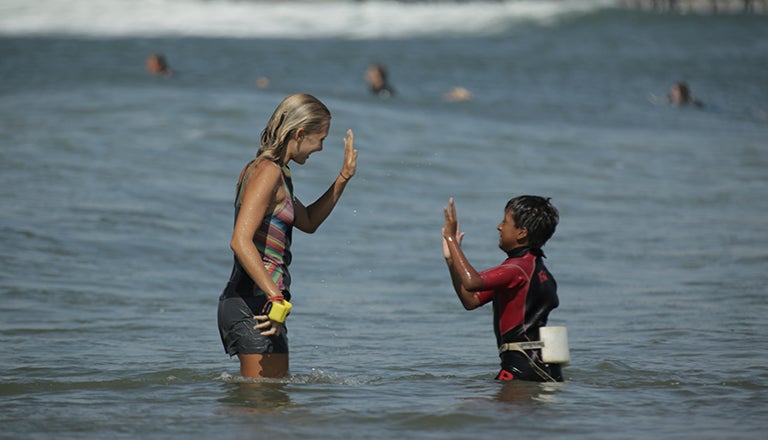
<point>451,227</point>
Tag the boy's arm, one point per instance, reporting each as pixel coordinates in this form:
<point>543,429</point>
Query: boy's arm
<point>464,277</point>
<point>468,299</point>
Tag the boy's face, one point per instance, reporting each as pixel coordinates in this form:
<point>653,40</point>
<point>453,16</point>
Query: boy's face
<point>510,236</point>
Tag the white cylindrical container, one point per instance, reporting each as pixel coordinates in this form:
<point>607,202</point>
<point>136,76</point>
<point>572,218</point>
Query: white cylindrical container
<point>555,350</point>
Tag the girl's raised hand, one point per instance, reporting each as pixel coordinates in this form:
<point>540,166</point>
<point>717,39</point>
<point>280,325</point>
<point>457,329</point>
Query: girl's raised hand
<point>350,156</point>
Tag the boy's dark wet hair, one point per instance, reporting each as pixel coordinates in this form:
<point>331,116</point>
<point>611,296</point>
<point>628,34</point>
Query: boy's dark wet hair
<point>535,214</point>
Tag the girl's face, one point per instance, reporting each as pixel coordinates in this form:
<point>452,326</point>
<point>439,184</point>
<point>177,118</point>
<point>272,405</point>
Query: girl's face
<point>510,236</point>
<point>305,144</point>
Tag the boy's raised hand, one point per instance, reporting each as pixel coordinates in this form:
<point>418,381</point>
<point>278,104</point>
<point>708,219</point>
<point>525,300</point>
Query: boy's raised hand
<point>451,228</point>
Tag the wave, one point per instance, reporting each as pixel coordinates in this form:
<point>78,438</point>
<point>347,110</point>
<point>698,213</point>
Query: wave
<point>280,19</point>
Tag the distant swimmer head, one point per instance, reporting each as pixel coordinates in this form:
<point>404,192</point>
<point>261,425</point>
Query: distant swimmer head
<point>679,94</point>
<point>376,77</point>
<point>262,82</point>
<point>458,94</point>
<point>156,64</point>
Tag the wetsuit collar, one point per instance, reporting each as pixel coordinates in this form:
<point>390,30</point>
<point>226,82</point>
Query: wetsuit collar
<point>522,250</point>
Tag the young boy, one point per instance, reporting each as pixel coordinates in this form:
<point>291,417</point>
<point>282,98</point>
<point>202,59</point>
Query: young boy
<point>522,290</point>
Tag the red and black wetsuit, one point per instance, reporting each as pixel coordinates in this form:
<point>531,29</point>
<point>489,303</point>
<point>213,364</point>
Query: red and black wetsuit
<point>523,292</point>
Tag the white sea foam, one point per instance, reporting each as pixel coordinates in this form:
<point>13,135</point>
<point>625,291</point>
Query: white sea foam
<point>277,19</point>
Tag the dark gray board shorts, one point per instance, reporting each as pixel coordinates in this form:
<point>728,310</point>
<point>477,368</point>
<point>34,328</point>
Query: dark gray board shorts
<point>236,322</point>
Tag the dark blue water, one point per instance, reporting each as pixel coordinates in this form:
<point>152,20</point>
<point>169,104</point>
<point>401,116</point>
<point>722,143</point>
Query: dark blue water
<point>117,186</point>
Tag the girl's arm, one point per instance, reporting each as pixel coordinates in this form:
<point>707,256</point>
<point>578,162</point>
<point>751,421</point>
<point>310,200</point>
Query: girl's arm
<point>309,218</point>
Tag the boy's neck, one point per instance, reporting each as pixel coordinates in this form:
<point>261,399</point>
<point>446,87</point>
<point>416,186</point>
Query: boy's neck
<point>524,249</point>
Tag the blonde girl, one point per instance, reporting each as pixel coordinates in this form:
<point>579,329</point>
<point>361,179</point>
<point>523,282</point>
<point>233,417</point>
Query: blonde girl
<point>266,211</point>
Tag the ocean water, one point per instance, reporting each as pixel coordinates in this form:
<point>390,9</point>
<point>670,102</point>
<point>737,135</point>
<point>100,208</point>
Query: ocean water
<point>117,187</point>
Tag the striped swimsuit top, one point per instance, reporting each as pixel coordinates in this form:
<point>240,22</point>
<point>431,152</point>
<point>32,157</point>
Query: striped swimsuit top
<point>273,238</point>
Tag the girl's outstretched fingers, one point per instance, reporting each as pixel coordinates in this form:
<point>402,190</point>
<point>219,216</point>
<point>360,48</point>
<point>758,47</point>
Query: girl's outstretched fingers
<point>350,156</point>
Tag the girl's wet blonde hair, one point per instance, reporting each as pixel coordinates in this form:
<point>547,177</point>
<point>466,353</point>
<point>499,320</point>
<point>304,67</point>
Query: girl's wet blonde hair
<point>294,112</point>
